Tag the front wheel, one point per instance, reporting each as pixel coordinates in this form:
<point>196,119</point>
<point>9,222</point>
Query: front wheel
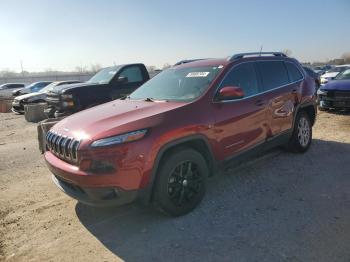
<point>321,108</point>
<point>181,182</point>
<point>302,134</point>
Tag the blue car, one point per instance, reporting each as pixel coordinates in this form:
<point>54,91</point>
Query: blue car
<point>34,87</point>
<point>336,93</point>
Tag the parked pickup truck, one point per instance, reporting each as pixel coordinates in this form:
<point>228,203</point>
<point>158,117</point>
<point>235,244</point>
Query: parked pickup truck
<point>108,84</point>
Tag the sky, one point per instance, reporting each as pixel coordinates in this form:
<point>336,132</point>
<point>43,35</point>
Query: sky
<point>64,34</point>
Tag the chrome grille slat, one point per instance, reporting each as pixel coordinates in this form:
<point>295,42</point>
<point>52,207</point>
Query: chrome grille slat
<point>59,145</point>
<point>63,147</point>
<point>48,137</point>
<point>67,154</point>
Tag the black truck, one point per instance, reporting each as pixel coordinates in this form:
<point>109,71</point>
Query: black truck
<point>108,84</point>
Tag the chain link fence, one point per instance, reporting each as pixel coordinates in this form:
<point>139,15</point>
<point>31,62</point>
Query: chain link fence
<point>32,79</point>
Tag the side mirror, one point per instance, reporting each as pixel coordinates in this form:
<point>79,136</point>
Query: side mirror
<point>230,92</point>
<point>122,80</point>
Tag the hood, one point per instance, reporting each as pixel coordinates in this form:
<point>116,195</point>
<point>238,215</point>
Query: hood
<point>114,118</point>
<point>65,88</point>
<point>340,85</point>
<point>330,75</point>
<point>31,96</point>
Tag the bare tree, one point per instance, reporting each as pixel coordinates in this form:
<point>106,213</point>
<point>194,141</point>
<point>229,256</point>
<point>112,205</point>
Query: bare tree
<point>94,68</point>
<point>81,69</point>
<point>287,52</point>
<point>166,66</point>
<point>346,57</point>
<point>7,73</point>
<point>151,68</point>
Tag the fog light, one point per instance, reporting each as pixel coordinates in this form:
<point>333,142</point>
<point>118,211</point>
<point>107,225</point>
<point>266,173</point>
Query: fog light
<point>68,104</point>
<point>100,166</point>
<point>85,164</point>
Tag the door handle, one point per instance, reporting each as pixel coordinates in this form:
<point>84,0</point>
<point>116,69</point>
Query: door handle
<point>294,91</point>
<point>260,102</point>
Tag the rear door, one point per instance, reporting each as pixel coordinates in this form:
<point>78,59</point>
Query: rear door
<point>241,123</point>
<point>281,94</point>
<point>134,77</point>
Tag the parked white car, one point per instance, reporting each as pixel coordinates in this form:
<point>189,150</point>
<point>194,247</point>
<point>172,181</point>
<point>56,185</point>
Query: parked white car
<point>332,73</point>
<point>20,101</point>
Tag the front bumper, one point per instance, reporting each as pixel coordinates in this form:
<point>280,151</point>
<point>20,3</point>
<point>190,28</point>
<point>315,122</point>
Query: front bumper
<point>101,197</point>
<point>17,107</point>
<point>334,101</point>
<point>104,189</point>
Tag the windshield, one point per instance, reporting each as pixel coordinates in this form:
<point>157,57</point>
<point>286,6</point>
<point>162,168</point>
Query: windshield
<point>177,84</point>
<point>48,88</point>
<point>344,75</point>
<point>105,75</point>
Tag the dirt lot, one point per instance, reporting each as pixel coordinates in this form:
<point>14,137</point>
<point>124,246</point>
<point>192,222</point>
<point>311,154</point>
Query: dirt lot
<point>278,207</point>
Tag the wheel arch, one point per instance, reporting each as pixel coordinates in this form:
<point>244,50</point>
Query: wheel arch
<point>197,142</point>
<point>309,109</point>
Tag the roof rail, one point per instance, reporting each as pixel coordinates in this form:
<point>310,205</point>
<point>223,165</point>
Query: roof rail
<point>188,61</point>
<point>242,55</point>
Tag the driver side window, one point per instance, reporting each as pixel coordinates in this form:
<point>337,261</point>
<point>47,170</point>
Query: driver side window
<point>243,76</point>
<point>133,74</point>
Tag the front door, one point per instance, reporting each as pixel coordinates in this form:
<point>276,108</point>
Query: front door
<point>241,123</point>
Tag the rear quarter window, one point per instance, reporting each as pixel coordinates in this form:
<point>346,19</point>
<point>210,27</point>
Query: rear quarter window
<point>294,72</point>
<point>273,74</point>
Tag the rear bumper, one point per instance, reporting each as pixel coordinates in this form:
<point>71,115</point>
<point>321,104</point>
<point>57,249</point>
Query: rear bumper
<point>101,197</point>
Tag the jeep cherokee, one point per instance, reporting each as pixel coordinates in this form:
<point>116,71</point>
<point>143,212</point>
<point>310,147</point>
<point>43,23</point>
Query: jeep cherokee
<point>162,142</point>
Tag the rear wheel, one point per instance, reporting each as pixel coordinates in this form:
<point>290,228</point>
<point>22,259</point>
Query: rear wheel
<point>302,134</point>
<point>181,182</point>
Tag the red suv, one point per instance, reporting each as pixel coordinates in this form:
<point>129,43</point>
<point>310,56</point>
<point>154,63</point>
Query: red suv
<point>161,143</point>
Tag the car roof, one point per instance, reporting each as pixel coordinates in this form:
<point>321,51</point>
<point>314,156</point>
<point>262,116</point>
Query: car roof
<point>347,65</point>
<point>227,61</point>
<point>204,62</point>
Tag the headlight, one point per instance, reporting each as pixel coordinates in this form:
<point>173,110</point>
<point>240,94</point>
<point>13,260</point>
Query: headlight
<point>68,103</point>
<point>321,92</point>
<point>114,140</point>
<point>67,96</point>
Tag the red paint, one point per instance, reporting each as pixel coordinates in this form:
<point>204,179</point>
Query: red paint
<point>229,127</point>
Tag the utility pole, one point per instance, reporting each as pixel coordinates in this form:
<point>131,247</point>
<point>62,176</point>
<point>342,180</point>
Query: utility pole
<point>22,68</point>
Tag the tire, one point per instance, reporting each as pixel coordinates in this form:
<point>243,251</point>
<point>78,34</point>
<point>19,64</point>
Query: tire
<point>302,134</point>
<point>321,108</point>
<point>181,182</point>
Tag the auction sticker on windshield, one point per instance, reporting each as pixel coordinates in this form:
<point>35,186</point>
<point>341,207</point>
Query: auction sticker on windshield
<point>198,74</point>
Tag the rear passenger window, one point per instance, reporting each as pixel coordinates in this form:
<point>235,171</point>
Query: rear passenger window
<point>243,76</point>
<point>294,73</point>
<point>273,73</point>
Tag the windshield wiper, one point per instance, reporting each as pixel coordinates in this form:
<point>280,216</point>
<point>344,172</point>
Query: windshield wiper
<point>149,99</point>
<point>124,97</point>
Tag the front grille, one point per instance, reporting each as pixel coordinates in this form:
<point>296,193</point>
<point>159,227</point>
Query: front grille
<point>342,94</point>
<point>63,147</point>
<point>53,98</point>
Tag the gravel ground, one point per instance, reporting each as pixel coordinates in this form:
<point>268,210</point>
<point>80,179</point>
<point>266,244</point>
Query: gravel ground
<point>277,207</point>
